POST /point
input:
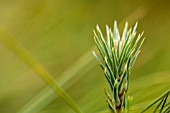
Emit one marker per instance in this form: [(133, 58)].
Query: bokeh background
[(58, 33)]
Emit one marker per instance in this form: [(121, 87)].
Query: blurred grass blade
[(66, 79), (30, 61)]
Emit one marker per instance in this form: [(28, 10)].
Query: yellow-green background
[(58, 33)]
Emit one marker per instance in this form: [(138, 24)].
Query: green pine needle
[(163, 104)]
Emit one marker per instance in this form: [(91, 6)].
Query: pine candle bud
[(116, 43)]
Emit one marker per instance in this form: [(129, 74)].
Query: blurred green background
[(58, 33)]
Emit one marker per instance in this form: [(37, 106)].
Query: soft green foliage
[(118, 55)]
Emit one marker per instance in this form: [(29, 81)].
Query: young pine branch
[(118, 55)]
